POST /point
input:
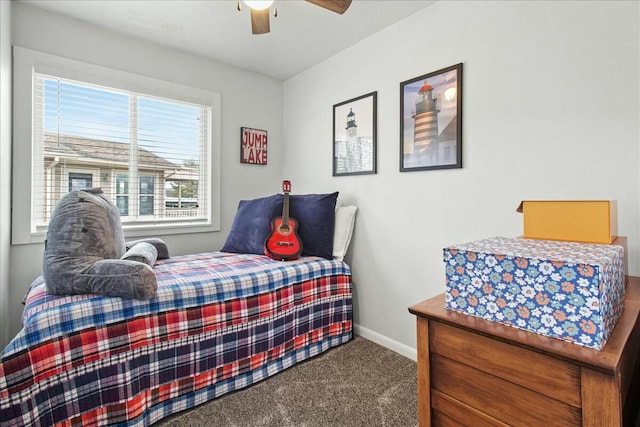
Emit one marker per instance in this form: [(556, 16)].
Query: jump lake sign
[(253, 146)]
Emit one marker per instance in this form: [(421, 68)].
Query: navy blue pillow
[(316, 216), (252, 225)]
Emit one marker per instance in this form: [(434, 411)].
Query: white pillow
[(345, 218)]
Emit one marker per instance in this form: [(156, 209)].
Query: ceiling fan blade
[(337, 6), (260, 21)]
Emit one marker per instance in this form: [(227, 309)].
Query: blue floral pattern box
[(565, 290)]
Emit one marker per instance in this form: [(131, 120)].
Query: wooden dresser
[(475, 372)]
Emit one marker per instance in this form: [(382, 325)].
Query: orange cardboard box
[(585, 221)]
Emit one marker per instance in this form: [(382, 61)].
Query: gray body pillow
[(162, 250), (142, 252), (85, 250)]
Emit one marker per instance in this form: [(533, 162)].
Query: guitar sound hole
[(285, 231)]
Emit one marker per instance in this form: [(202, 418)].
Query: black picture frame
[(431, 121), (354, 135)]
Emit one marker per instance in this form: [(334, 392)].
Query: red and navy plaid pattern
[(219, 322)]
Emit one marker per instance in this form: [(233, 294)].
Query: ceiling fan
[(260, 11)]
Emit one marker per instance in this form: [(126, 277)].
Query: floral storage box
[(571, 291)]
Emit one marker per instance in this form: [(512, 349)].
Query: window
[(122, 194), (79, 181), (146, 194), (147, 190), (130, 135), (84, 125)]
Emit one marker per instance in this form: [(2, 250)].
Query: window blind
[(148, 154)]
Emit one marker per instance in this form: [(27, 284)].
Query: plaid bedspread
[(219, 322)]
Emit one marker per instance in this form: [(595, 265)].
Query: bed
[(219, 322)]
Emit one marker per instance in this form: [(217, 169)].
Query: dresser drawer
[(449, 412), (551, 377), (499, 398)]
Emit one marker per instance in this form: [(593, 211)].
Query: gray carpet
[(357, 384)]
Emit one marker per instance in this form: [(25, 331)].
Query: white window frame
[(114, 192), (26, 62), (95, 176)]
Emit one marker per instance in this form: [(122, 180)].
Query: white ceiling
[(301, 35)]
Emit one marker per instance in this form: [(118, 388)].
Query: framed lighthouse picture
[(431, 121), (354, 136)]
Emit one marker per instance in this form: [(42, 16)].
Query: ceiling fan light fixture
[(258, 4), (260, 11)]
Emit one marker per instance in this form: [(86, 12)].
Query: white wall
[(248, 99), (5, 165), (550, 111)]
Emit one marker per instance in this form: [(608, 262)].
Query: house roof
[(99, 151)]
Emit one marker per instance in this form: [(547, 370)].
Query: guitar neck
[(286, 188), (285, 210)]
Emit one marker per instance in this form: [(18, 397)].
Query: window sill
[(156, 229), (138, 230)]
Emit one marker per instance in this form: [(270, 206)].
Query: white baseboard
[(399, 348)]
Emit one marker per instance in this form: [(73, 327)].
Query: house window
[(80, 181), (122, 194), (146, 194)]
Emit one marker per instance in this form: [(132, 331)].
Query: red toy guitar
[(283, 243)]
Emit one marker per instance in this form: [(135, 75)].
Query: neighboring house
[(73, 163)]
